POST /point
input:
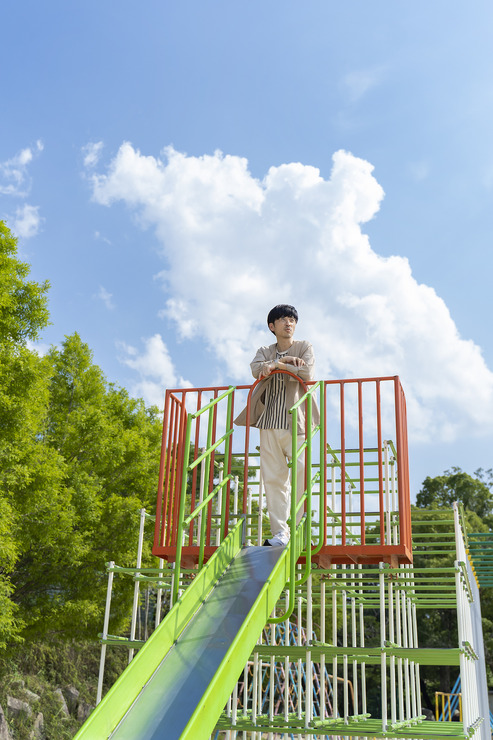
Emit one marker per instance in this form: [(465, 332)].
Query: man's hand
[(267, 369), (296, 361)]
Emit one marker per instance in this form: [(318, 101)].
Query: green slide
[(179, 682)]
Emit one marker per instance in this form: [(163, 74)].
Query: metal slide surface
[(167, 701)]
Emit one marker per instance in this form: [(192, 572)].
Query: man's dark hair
[(280, 311)]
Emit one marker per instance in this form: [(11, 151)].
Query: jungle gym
[(318, 639)]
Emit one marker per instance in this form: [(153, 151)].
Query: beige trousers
[(275, 452)]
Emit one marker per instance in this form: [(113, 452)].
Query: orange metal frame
[(171, 472)]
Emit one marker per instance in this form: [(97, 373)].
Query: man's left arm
[(303, 365)]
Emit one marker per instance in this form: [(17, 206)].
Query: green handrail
[(187, 468), (306, 524)]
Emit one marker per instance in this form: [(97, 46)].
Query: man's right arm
[(261, 366)]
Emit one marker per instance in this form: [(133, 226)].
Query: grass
[(42, 668)]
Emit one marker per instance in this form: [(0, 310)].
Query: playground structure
[(318, 639)]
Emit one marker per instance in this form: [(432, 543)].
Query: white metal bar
[(334, 501), (393, 702), (383, 661), (135, 604), (417, 669), (234, 708), (219, 505), (388, 531), (105, 632), (322, 659), (411, 645), (201, 493), (335, 668), (287, 642), (254, 688), (300, 662), (354, 643), (394, 502), (308, 664), (159, 594), (236, 486), (406, 660), (362, 644), (249, 518), (345, 644), (398, 639), (246, 674), (272, 685)]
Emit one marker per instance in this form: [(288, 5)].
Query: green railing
[(306, 498), (199, 513), (206, 456)]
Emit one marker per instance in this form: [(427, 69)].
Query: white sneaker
[(281, 539)]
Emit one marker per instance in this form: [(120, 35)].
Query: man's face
[(283, 327)]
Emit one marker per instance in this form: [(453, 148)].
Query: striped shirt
[(275, 414)]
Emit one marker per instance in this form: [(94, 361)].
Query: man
[(271, 401)]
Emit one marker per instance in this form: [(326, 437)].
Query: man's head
[(280, 312)]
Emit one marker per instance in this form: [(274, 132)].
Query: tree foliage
[(23, 302), (98, 467), (23, 314), (78, 459), (455, 485), (438, 627)]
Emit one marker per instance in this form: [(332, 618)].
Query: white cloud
[(106, 297), (155, 369), (41, 348), (27, 221), (14, 177), (234, 246), (359, 82), (92, 153), (99, 237), (15, 181)]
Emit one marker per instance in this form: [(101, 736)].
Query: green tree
[(23, 388), (438, 627), (455, 485), (78, 459), (103, 453), (23, 302)]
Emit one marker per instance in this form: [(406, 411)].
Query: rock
[(83, 711), (58, 694), (38, 731), (72, 698), (4, 728), (16, 707), (30, 696)]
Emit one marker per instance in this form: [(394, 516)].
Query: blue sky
[(175, 169)]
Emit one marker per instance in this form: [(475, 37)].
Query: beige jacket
[(294, 389)]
